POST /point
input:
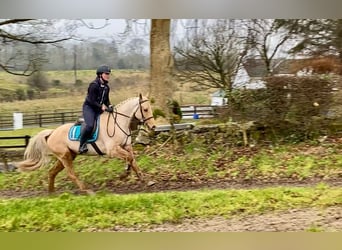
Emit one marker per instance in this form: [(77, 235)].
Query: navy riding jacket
[(98, 94)]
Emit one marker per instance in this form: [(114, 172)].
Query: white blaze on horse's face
[(145, 113)]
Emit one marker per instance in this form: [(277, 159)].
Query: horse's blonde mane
[(124, 101)]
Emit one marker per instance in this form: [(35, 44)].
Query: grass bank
[(106, 211)]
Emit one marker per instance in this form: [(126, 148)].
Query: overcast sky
[(115, 26)]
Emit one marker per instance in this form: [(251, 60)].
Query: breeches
[(89, 118)]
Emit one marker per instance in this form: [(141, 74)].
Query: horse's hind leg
[(58, 167), (67, 163)]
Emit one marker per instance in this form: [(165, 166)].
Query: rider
[(96, 101)]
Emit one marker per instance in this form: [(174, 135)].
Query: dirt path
[(294, 220)]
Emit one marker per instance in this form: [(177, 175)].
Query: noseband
[(143, 119)]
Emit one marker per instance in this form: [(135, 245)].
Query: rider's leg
[(89, 118)]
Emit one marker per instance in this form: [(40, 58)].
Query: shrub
[(39, 81), (56, 83), (78, 83), (30, 94), (293, 107), (21, 95)]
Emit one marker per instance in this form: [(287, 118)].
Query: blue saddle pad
[(75, 133)]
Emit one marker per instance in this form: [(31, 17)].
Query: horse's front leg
[(136, 169), (127, 172), (127, 155), (133, 164)]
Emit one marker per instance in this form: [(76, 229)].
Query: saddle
[(75, 131)]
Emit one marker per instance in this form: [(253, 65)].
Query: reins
[(115, 122), (115, 114)]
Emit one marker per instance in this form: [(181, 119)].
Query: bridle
[(143, 119), (115, 114)]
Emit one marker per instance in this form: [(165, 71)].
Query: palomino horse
[(114, 140)]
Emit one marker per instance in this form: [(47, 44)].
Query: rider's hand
[(110, 109), (104, 107)]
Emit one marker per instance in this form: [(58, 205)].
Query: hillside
[(63, 93)]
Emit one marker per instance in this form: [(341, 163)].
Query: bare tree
[(316, 37), (212, 56), (22, 43), (268, 39)]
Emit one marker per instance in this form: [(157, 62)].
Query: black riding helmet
[(102, 69)]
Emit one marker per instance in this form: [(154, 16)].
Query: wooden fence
[(41, 119), (61, 117), (51, 118), (198, 111), (7, 154), (25, 138)]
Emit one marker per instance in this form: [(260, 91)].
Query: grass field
[(124, 84)]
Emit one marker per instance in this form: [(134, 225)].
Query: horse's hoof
[(123, 177), (150, 183), (90, 192)]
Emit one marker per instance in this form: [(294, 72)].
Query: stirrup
[(83, 148)]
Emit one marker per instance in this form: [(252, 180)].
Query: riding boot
[(83, 148), (83, 142)]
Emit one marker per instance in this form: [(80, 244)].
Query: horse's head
[(144, 113)]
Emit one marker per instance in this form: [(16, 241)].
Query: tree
[(20, 40), (136, 46), (316, 37), (38, 80), (161, 85), (268, 38), (212, 56)]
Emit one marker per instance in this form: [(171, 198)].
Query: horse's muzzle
[(152, 128)]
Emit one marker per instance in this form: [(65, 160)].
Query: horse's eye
[(145, 110)]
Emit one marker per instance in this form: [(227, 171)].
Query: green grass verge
[(105, 211)]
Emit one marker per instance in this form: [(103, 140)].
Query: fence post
[(17, 121), (27, 139), (40, 120), (195, 116)]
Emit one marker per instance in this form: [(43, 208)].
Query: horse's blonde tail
[(36, 153)]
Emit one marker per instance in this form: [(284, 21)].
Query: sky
[(114, 26), (117, 26)]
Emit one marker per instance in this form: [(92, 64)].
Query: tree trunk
[(161, 84)]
